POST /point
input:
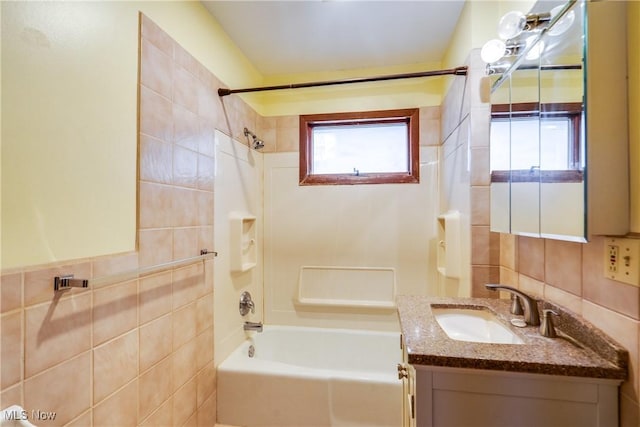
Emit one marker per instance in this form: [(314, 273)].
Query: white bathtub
[(312, 377)]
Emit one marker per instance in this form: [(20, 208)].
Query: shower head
[(257, 143)]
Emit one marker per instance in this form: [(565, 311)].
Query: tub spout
[(253, 326)]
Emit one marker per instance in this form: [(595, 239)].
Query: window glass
[(368, 148)]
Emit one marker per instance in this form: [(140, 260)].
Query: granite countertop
[(587, 353)]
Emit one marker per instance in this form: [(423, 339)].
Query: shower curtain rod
[(458, 71)]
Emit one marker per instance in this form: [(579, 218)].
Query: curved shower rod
[(457, 71)]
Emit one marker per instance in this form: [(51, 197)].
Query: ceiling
[(283, 37)]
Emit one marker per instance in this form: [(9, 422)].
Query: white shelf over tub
[(340, 286)]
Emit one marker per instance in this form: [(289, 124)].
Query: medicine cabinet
[(558, 143)]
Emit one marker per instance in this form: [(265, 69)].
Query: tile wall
[(137, 352), (465, 179)]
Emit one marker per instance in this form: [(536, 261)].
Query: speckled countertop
[(592, 354)]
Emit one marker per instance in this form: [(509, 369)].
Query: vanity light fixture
[(513, 24), (495, 49)]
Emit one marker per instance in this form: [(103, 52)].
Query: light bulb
[(493, 50), (511, 25), (564, 23)]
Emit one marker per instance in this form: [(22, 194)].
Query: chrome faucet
[(253, 326), (246, 304), (531, 315)]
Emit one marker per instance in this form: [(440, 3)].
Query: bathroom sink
[(473, 324)]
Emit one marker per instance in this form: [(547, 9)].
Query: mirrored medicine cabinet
[(558, 133)]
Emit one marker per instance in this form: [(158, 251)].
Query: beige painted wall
[(69, 112)]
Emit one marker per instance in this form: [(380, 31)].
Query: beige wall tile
[(205, 348), (154, 388), (155, 205), (563, 265), (508, 250), (162, 417), (38, 284), (184, 325), (622, 329), (188, 284), (480, 245), (83, 420), (56, 332), (184, 402), (185, 60), (65, 389), (185, 242), (184, 201), (531, 286), (152, 32), (185, 167), (10, 292), (531, 257), (114, 364), (155, 115), (185, 363), (186, 128), (509, 277), (155, 160), (155, 293), (205, 208), (185, 89), (480, 203), (156, 341), (206, 381), (205, 238), (11, 396), (206, 142), (207, 412), (155, 246), (109, 265), (11, 349), (115, 311), (204, 310), (206, 172), (121, 409), (156, 69), (563, 298), (480, 174)]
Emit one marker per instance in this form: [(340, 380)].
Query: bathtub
[(316, 377)]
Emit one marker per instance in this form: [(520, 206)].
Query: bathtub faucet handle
[(246, 304)]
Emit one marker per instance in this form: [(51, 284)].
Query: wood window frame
[(409, 116), (569, 110)]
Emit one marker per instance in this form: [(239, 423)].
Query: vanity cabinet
[(478, 398), (558, 144)]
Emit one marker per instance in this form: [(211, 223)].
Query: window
[(372, 147), (544, 138)]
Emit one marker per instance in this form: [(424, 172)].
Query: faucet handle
[(246, 304), (546, 327), (516, 305)]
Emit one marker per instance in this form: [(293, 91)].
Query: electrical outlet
[(622, 260)]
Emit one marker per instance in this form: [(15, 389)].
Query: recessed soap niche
[(243, 240)]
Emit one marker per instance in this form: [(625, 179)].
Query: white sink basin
[(476, 325)]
